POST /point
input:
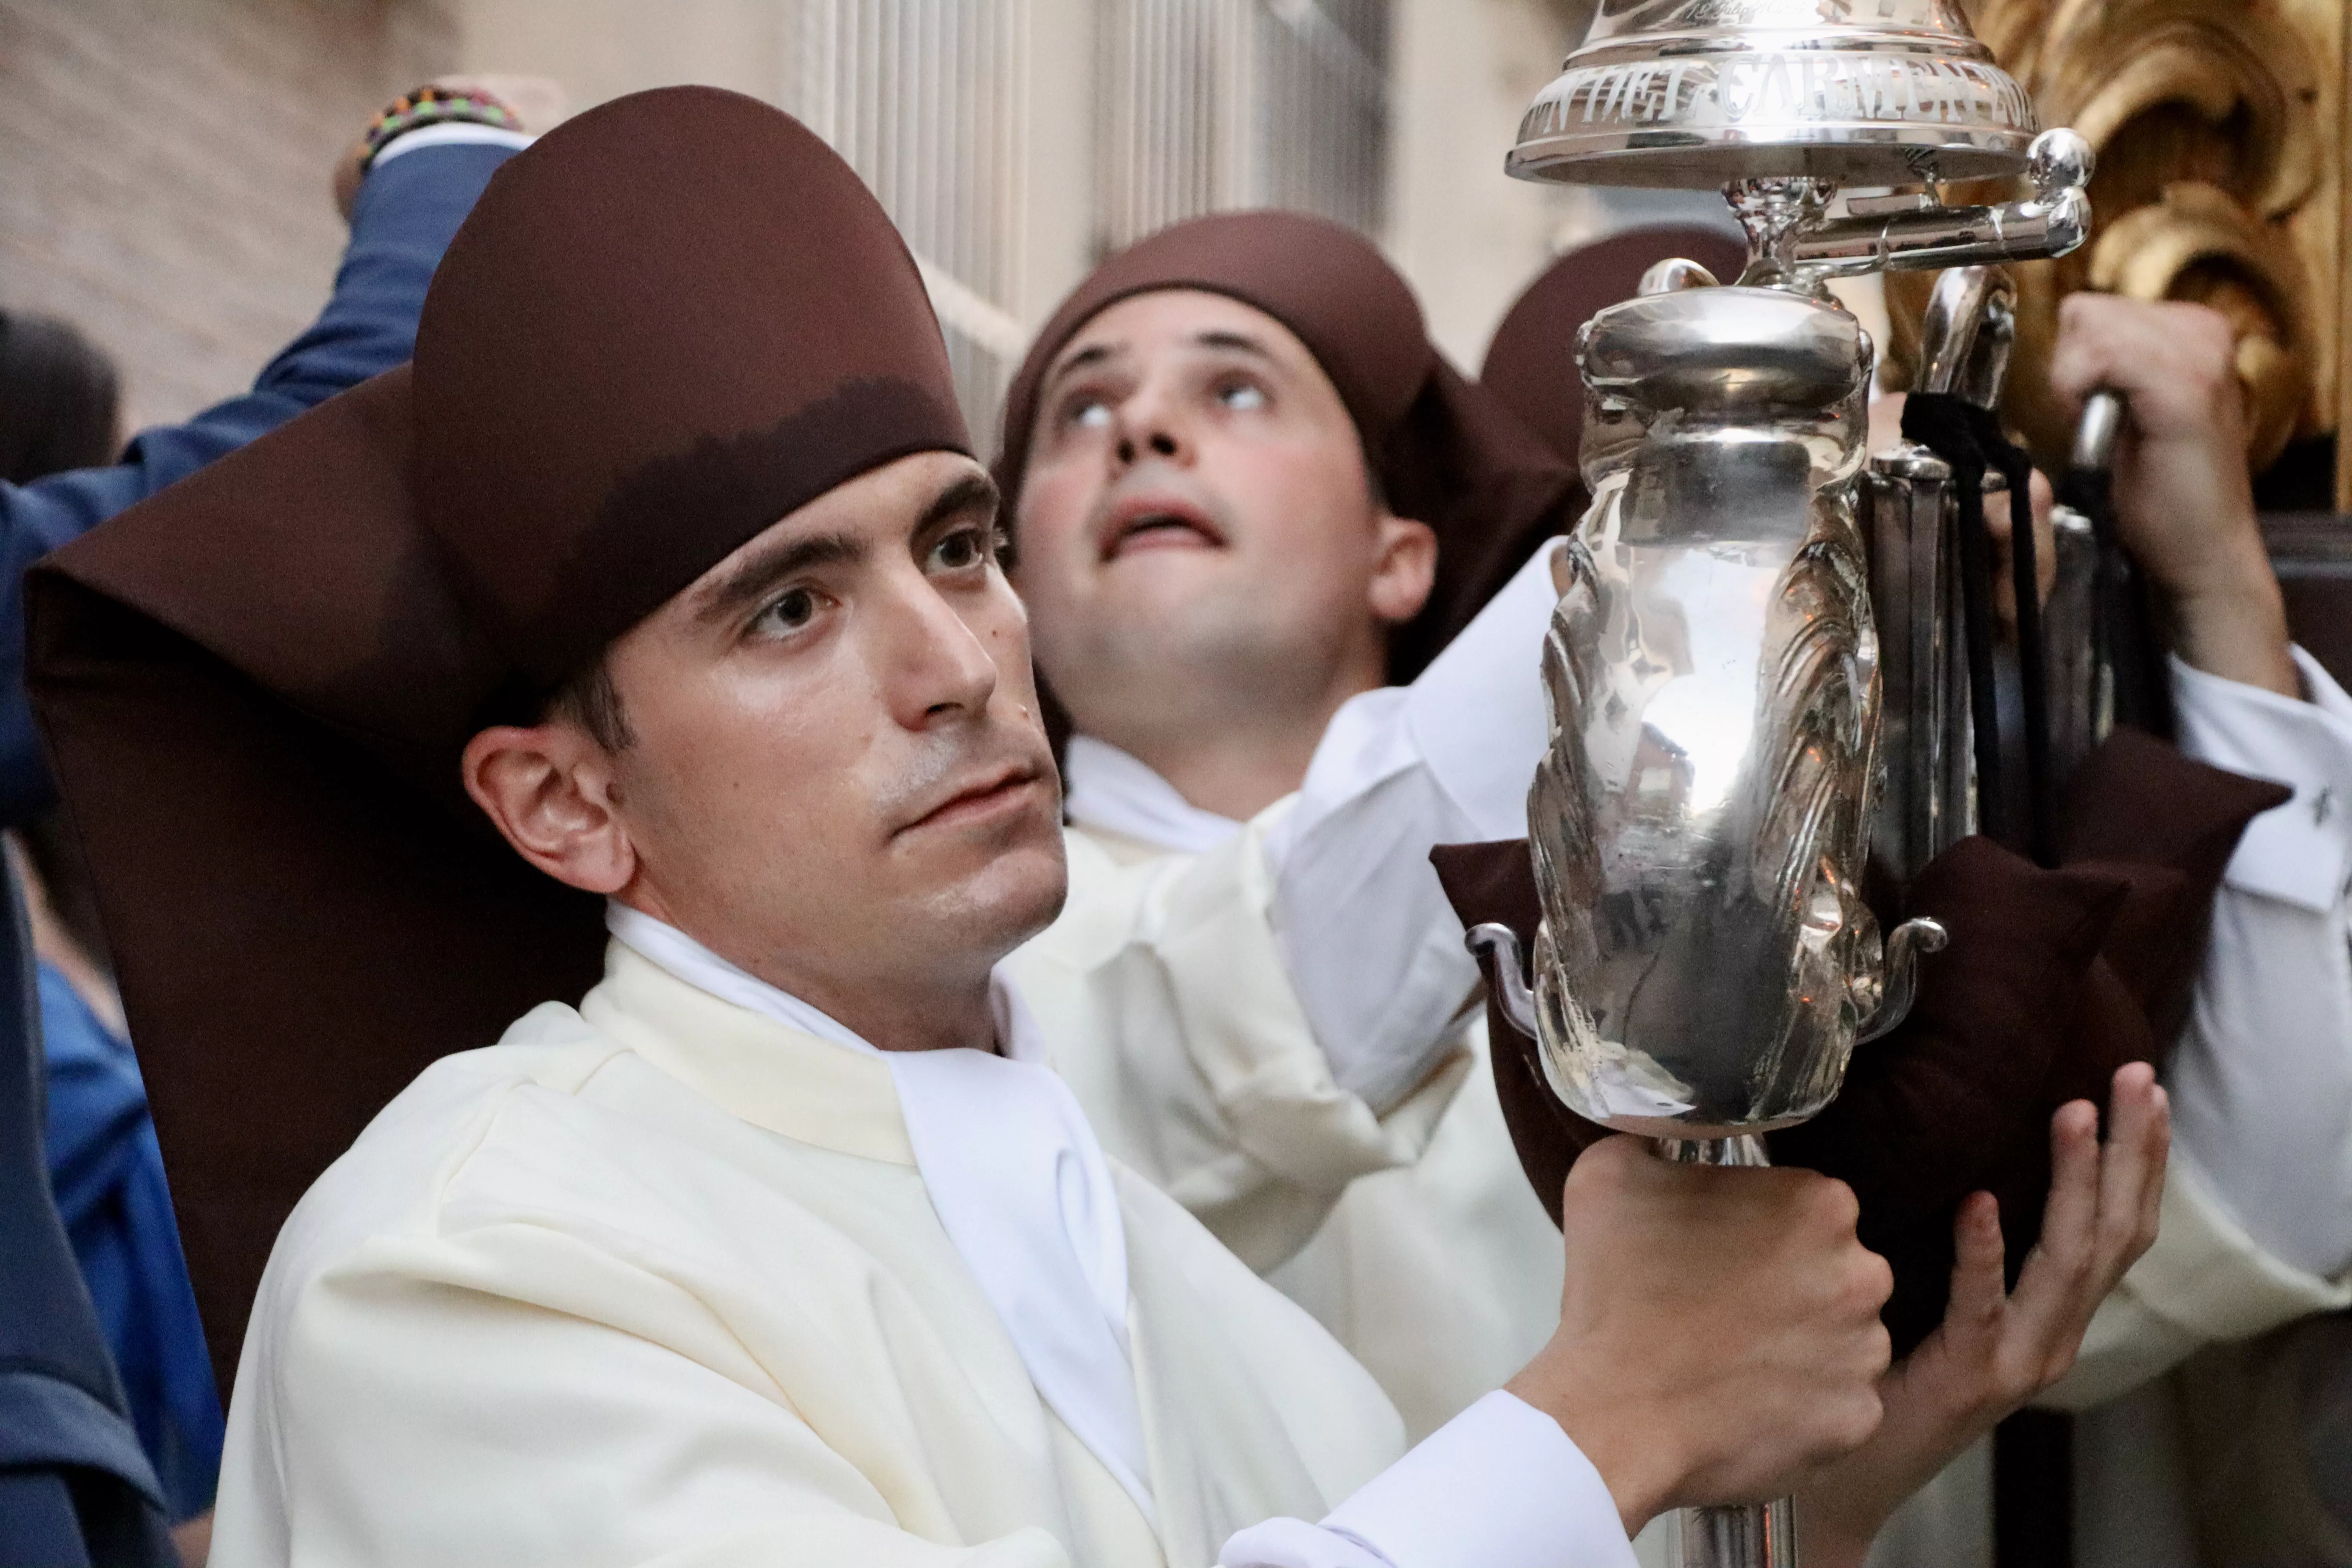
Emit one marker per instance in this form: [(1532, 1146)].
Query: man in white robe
[(2257, 1226), (781, 1245)]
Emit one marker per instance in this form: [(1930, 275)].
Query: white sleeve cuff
[(1477, 712), (2300, 852), (456, 133), (1499, 1486)]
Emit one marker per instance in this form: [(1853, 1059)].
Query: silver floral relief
[(1700, 820)]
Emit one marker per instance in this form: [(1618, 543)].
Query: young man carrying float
[(1247, 494), (781, 1246)]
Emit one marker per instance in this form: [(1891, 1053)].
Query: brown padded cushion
[(2045, 990), (2136, 801), (2319, 617)]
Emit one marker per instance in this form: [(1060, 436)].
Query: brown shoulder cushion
[(2049, 985)]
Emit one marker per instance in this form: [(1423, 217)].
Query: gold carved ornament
[(2218, 126)]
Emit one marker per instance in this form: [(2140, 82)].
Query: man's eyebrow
[(1093, 354), (969, 492), (759, 573), (1240, 343), (1214, 338)]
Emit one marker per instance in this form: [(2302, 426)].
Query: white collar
[(1106, 788), (1018, 1182)]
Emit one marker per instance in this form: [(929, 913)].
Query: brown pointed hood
[(1530, 363), (674, 320)]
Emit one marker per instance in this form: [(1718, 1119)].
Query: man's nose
[(1149, 424), (936, 667)]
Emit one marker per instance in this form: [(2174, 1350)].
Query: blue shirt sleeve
[(404, 217), (106, 1173)]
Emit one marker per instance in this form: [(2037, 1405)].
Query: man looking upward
[(1218, 565), (781, 1246)]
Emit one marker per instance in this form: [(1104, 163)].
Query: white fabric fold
[(1115, 792), (1372, 942), (1018, 1182)]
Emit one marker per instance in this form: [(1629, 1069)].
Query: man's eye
[(962, 550), (1241, 395), (1090, 414), (791, 609)]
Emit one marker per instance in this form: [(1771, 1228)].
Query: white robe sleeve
[(2262, 1082), (1373, 949), (1500, 1486), (2257, 1225)]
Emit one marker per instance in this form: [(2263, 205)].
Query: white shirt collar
[(1104, 787), (1016, 1177)]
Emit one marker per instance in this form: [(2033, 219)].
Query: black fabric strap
[(2032, 650), (1969, 440), (2123, 622)]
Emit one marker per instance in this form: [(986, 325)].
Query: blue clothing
[(405, 216), (107, 1175), (74, 1484)]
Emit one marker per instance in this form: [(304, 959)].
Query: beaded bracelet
[(431, 106)]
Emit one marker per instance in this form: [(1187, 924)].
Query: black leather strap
[(1970, 439)]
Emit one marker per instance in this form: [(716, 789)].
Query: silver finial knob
[(2058, 161), (1675, 272)]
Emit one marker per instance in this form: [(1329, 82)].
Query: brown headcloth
[(1530, 362), (674, 320), (1446, 454)]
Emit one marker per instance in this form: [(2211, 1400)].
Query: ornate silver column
[(1706, 962)]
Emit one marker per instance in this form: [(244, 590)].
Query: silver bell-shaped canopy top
[(1692, 94)]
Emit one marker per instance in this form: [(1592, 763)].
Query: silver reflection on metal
[(1692, 92), (2081, 664), (1699, 821), (1758, 1532)]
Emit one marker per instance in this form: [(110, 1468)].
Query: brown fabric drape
[(2052, 980), (674, 320)]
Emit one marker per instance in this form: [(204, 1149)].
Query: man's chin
[(1013, 857), (1003, 903), (1153, 609)]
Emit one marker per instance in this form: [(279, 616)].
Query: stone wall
[(164, 166)]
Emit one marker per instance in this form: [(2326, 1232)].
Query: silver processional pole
[(1706, 963)]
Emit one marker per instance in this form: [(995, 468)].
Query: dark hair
[(589, 698), (59, 395), (59, 399)]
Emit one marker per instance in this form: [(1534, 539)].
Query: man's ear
[(549, 788), (1406, 568)]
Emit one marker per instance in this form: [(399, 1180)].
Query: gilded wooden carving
[(2219, 126)]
